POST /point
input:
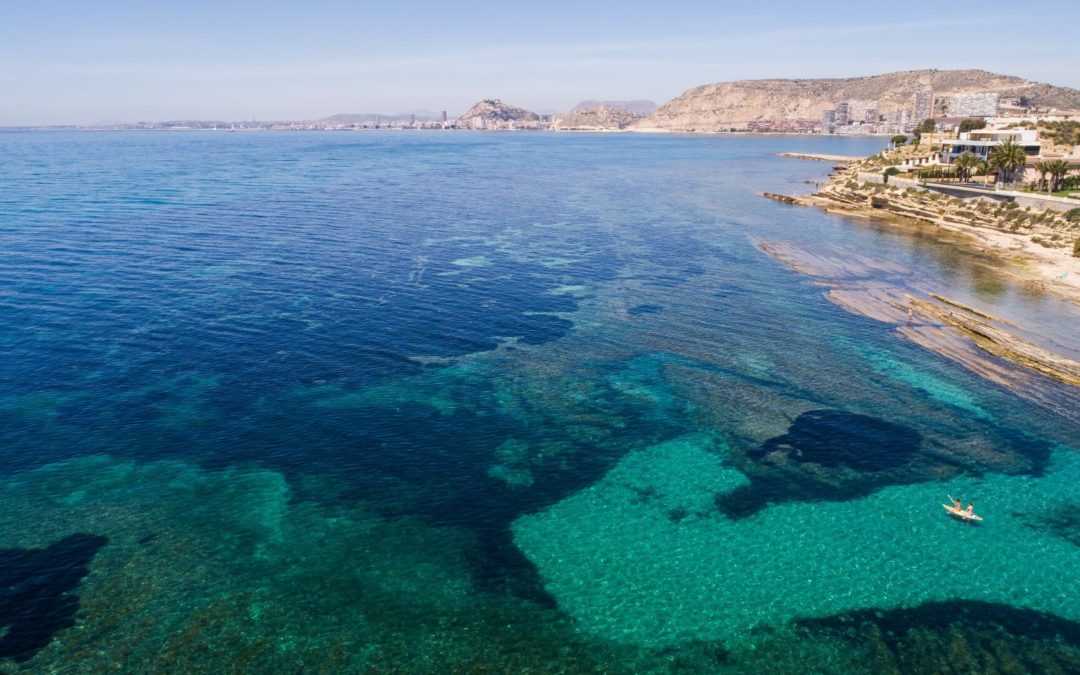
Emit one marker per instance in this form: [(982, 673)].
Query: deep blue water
[(296, 389)]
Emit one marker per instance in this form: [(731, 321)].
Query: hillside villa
[(982, 141)]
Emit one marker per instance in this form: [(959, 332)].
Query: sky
[(82, 62)]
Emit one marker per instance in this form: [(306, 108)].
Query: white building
[(828, 121), (974, 105), (983, 141), (924, 104), (842, 114)]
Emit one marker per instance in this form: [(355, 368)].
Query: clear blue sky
[(85, 62)]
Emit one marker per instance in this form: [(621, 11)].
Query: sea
[(466, 402)]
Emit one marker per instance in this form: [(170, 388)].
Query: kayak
[(961, 513)]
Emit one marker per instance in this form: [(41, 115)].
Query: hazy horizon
[(67, 63)]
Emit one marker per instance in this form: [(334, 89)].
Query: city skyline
[(66, 63)]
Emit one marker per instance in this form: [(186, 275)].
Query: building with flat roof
[(828, 121), (924, 104), (983, 141), (842, 112), (974, 105)]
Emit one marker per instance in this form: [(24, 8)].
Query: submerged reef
[(617, 560), (956, 636), (36, 592), (220, 571)]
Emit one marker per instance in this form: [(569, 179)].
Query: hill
[(637, 106), (595, 118), (733, 105), (492, 111)]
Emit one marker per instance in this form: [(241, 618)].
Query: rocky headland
[(732, 106), (493, 110)]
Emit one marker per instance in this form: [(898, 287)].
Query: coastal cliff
[(732, 106)]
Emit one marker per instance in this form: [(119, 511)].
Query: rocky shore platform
[(819, 157), (1036, 246), (1033, 247)]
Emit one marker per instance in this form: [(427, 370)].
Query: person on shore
[(910, 315)]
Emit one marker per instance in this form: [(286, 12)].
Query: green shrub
[(1076, 248), (1073, 215), (972, 125)]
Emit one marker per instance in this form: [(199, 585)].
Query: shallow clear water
[(435, 402)]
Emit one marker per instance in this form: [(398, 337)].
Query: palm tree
[(965, 164), (1007, 159), (1042, 168), (982, 168), (1057, 169)]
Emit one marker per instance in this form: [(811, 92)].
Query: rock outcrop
[(599, 118), (493, 111), (638, 106), (732, 106)]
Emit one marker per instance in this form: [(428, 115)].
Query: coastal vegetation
[(927, 126), (1065, 132), (972, 124), (1057, 136), (968, 164), (1007, 159), (1056, 169)]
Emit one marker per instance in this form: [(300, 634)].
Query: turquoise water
[(444, 402)]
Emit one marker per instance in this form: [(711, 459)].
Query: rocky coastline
[(1034, 247)]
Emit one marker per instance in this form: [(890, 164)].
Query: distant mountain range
[(728, 106), (421, 115), (732, 105)]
